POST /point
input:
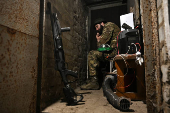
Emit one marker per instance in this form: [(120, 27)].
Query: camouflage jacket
[(109, 35)]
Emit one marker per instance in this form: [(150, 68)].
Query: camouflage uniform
[(108, 36)]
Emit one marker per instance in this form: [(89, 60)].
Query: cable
[(117, 42), (128, 84), (130, 46), (128, 50), (125, 73), (140, 82), (139, 46), (125, 63), (135, 47)]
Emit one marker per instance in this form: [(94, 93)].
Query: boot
[(91, 85)]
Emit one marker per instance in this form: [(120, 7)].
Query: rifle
[(71, 96)]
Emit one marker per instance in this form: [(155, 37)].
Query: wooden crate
[(131, 85)]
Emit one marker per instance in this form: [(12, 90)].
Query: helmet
[(98, 21)]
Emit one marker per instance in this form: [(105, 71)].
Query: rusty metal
[(151, 55), (156, 59), (18, 71), (19, 31), (20, 15)]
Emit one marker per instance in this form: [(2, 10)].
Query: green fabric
[(103, 49)]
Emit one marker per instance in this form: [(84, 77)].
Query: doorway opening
[(110, 13)]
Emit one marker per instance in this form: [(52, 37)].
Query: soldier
[(106, 34)]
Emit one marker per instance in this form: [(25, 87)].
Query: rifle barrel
[(65, 29)]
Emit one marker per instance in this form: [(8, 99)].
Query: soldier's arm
[(107, 33), (113, 43), (98, 37), (111, 30)]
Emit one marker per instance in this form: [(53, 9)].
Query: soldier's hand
[(98, 37)]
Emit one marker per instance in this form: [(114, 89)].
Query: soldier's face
[(99, 28)]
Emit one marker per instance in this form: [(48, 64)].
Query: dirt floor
[(93, 102)]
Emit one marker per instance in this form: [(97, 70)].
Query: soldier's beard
[(100, 30)]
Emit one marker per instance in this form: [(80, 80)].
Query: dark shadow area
[(39, 68), (130, 80), (130, 110), (64, 100), (85, 93), (103, 68), (77, 104)]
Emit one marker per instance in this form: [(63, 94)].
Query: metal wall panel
[(21, 15), (18, 71), (19, 32)]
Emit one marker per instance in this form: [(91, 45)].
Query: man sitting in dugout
[(106, 34)]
